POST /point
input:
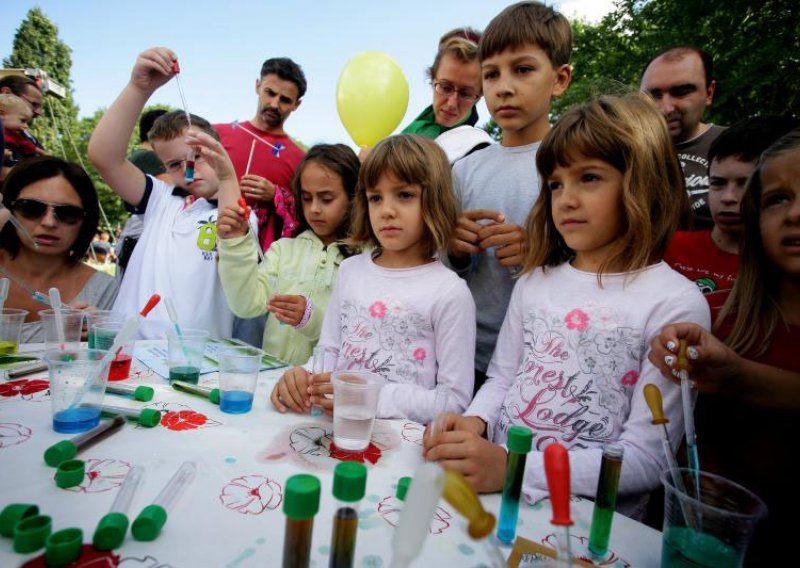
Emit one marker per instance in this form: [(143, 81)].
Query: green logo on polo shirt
[(207, 235)]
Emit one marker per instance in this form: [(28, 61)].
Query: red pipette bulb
[(175, 67), (151, 303), (556, 468)]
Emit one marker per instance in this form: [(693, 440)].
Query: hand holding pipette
[(688, 416), (153, 68), (556, 467)]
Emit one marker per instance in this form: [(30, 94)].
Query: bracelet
[(307, 314)]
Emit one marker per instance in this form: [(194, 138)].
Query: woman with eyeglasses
[(456, 80), (56, 202)]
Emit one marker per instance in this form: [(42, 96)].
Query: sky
[(222, 44)]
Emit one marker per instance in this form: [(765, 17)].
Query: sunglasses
[(33, 209)]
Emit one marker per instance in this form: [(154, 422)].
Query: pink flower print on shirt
[(630, 378), (377, 310), (419, 354), (577, 319)]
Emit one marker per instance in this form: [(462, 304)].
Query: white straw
[(250, 158), (55, 303), (237, 124)]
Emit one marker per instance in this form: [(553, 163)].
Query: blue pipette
[(688, 417), (35, 294)]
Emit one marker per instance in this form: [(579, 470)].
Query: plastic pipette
[(20, 228), (556, 468), (68, 449), (463, 498), (148, 524), (250, 157), (173, 317), (151, 303), (439, 408), (4, 284), (652, 395), (688, 417), (176, 68), (276, 148), (110, 531), (55, 302), (419, 506), (323, 359), (205, 392), (35, 294)]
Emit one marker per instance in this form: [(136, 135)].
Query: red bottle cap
[(151, 303), (556, 468)]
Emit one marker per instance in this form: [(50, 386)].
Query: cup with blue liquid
[(77, 386), (238, 375)]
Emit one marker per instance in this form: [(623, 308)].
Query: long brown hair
[(754, 301), (628, 133)]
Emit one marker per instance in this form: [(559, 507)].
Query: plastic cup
[(185, 354), (722, 522), (76, 388), (104, 334), (94, 317), (238, 375), (11, 321), (355, 396), (71, 328)]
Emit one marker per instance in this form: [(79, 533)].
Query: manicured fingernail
[(692, 352), (669, 360), (672, 346), (676, 374)]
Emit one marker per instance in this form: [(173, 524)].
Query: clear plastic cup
[(69, 338), (93, 317), (355, 400), (76, 388), (720, 524), (104, 333), (238, 375), (185, 354), (11, 321)]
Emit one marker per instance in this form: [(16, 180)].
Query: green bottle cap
[(349, 481), (301, 497), (70, 473), (149, 417), (60, 452), (14, 513), (147, 526), (110, 531), (30, 533), (63, 547), (520, 439), (402, 488), (145, 394), (213, 396)]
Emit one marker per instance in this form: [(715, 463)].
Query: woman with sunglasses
[(57, 203), (456, 80)]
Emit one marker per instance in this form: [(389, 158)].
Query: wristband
[(306, 314)]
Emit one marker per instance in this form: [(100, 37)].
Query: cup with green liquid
[(94, 317), (721, 522), (185, 354), (11, 321)]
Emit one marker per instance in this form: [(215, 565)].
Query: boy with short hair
[(711, 258), (176, 254), (524, 54)]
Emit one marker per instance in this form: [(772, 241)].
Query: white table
[(231, 515)]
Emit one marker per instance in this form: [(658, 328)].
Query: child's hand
[(257, 188), (466, 239), (507, 238), (212, 152), (292, 391), (153, 68), (481, 462), (232, 222), (452, 422), (321, 391), (288, 309)]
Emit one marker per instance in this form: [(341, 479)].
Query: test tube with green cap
[(402, 488), (147, 417), (349, 486), (68, 449), (300, 505), (606, 499), (519, 443), (205, 392), (147, 526), (141, 393), (110, 531)]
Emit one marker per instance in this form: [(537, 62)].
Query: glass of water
[(355, 401)]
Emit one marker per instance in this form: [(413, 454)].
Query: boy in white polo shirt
[(176, 254)]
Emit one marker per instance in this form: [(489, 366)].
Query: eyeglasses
[(446, 90), (33, 210), (178, 165), (35, 106)]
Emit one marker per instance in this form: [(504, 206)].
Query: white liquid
[(352, 427)]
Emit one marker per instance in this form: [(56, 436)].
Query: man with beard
[(266, 185), (681, 83)]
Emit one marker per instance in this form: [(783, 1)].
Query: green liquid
[(686, 548), (604, 504), (8, 347), (185, 374)]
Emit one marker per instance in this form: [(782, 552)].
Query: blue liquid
[(74, 420), (512, 489), (235, 402)]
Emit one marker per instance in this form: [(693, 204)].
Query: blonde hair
[(754, 301), (461, 43), (628, 133), (12, 103), (412, 159)]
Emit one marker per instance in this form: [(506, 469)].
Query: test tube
[(141, 392), (300, 504), (439, 407), (205, 392), (148, 524), (419, 506), (605, 501), (147, 417), (520, 440), (110, 531), (188, 172), (321, 361), (349, 486), (67, 449)]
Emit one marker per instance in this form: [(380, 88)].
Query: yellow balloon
[(371, 97)]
